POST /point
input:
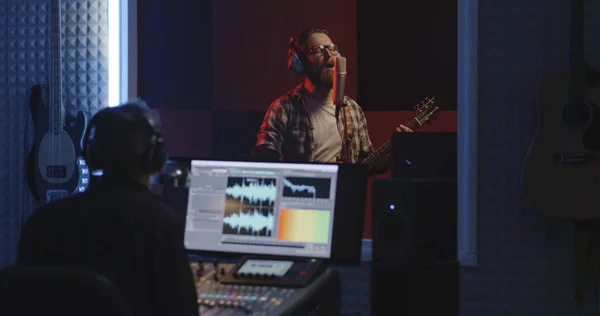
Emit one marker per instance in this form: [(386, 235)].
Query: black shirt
[(123, 232)]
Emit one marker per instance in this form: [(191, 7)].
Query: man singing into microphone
[(304, 125)]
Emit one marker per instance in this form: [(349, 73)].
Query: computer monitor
[(278, 209)]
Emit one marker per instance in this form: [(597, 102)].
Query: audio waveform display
[(303, 187), (251, 191), (249, 222), (309, 226)]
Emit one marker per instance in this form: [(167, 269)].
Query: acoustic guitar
[(561, 172), (55, 168)]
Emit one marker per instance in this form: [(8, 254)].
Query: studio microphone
[(339, 83)]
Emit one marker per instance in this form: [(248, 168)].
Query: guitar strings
[(375, 157)]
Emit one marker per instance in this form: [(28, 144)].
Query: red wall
[(250, 41)]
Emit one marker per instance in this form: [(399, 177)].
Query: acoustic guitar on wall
[(55, 168), (561, 173)]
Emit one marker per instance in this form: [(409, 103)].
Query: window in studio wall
[(121, 50)]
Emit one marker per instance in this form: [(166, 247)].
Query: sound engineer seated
[(119, 228)]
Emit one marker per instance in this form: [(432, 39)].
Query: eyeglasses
[(319, 50)]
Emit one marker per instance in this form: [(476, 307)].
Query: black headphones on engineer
[(155, 156)]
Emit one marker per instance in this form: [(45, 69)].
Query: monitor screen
[(279, 209), (266, 208)]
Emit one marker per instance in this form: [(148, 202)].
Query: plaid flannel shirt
[(287, 129)]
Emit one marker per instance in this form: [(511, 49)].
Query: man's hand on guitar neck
[(385, 163), (400, 128), (403, 128)]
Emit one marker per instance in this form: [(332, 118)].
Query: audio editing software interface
[(261, 208)]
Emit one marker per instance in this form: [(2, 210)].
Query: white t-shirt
[(327, 138)]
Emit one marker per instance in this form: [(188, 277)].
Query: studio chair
[(34, 291)]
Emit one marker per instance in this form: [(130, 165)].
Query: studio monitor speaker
[(414, 220), (414, 270), (421, 289)]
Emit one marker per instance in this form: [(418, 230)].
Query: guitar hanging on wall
[(561, 173), (55, 168)]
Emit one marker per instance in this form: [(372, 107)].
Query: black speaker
[(416, 290), (414, 221), (414, 269)]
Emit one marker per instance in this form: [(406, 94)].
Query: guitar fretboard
[(55, 70)]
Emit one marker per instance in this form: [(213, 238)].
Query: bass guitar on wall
[(55, 168), (561, 173)]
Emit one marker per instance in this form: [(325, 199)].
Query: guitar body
[(561, 173), (55, 166)]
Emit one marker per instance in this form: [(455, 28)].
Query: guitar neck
[(55, 97), (577, 68), (382, 153)]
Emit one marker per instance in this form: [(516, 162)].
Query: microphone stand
[(342, 106), (339, 85)]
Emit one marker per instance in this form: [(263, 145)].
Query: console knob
[(205, 303), (222, 271), (200, 271), (216, 277)]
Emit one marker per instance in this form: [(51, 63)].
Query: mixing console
[(216, 299)]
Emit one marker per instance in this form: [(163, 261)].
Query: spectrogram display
[(303, 187), (309, 226)]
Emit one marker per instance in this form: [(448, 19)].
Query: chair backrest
[(29, 291)]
